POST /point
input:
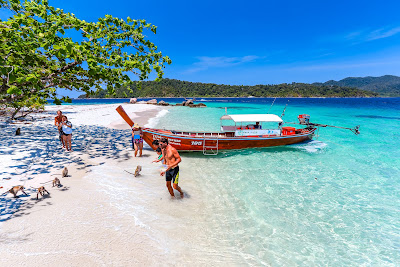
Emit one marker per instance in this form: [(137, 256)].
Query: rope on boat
[(283, 112), (271, 105), (354, 129)]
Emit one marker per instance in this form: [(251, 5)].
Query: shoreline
[(34, 230), (103, 215), (40, 135), (241, 97), (255, 207)]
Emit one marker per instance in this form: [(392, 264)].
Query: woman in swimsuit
[(137, 136), (67, 132)]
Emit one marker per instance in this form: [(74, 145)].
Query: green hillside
[(387, 85), (177, 88)]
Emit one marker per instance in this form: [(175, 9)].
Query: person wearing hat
[(137, 139)]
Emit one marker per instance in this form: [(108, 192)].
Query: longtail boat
[(247, 132), (243, 134)]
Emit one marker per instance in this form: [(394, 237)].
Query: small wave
[(153, 121), (312, 146)]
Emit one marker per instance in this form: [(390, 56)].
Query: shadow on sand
[(37, 151)]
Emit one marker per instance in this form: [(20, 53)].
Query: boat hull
[(202, 143)]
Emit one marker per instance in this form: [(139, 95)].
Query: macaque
[(56, 182), (138, 170), (64, 172), (41, 190), (16, 189)]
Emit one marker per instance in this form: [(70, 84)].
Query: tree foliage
[(26, 106), (176, 88), (38, 54)]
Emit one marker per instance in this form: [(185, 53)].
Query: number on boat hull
[(197, 143)]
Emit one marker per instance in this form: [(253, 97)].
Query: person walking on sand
[(57, 122), (67, 132), (172, 172), (137, 139)]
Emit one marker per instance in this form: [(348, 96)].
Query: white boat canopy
[(253, 118)]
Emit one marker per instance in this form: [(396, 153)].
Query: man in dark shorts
[(172, 158), (57, 122)]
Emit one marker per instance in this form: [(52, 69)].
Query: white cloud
[(205, 63), (382, 33), (361, 35), (368, 35), (347, 65)]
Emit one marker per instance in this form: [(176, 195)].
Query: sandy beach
[(77, 223), (102, 215), (260, 207)]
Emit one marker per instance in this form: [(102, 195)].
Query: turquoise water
[(333, 201)]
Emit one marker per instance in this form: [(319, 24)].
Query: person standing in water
[(172, 158)]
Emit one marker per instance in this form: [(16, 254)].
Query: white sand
[(68, 227), (102, 216), (33, 157)]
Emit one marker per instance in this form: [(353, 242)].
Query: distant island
[(384, 86)]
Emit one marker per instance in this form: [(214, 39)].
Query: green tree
[(37, 55), (24, 107), (175, 88)]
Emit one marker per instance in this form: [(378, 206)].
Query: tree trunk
[(15, 113), (27, 113)]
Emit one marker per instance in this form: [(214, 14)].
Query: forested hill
[(177, 88), (387, 85)]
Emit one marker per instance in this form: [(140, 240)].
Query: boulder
[(189, 102), (133, 100), (153, 101), (200, 105), (178, 104), (163, 103)]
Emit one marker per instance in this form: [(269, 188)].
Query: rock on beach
[(186, 103), (153, 101)]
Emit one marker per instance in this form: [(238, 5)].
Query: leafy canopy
[(37, 54)]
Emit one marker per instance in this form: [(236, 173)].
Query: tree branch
[(61, 70)]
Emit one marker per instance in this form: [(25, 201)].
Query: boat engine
[(304, 119)]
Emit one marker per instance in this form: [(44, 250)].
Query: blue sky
[(264, 42)]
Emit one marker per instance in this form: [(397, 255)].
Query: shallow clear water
[(332, 201)]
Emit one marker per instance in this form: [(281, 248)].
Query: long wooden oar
[(125, 116)]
